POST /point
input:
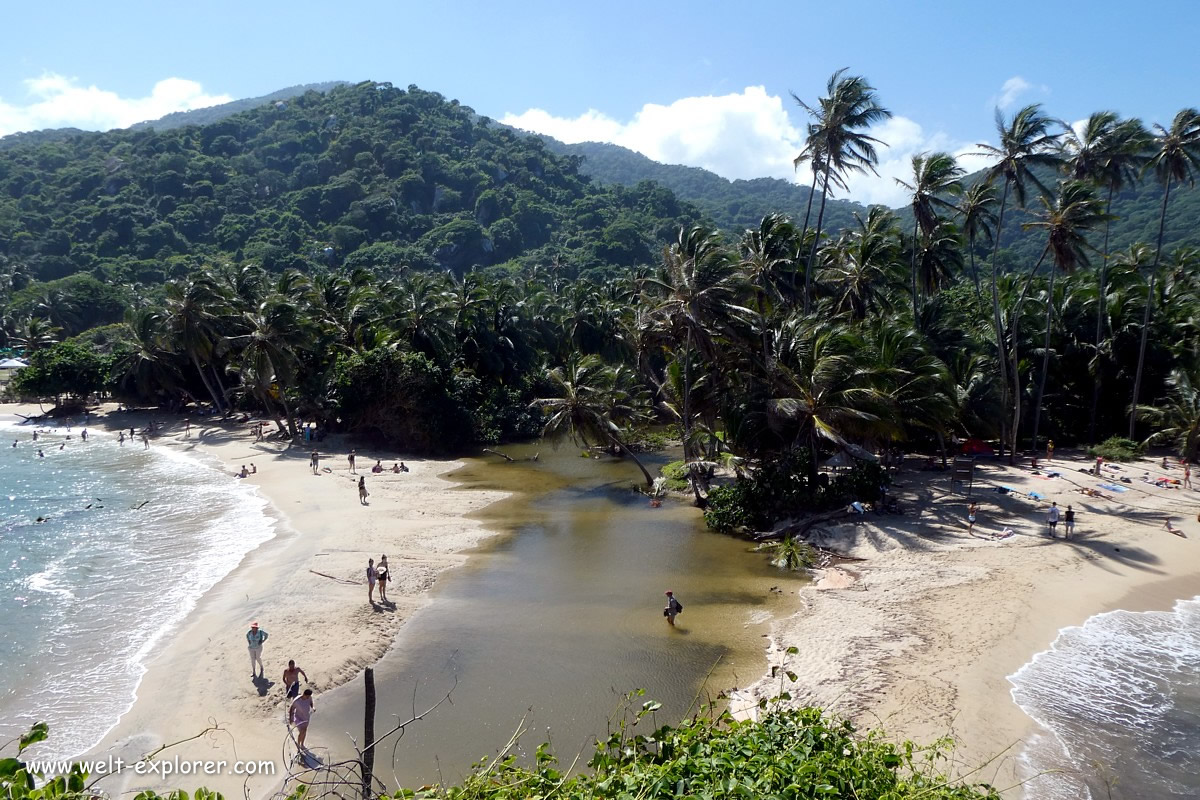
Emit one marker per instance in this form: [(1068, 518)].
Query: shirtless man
[(300, 713), (291, 678)]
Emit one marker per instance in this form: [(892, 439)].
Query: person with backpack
[(674, 607)]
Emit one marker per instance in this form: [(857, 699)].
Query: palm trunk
[(291, 421), (221, 386), (1015, 433), (804, 230), (620, 445), (1101, 309), (687, 415), (974, 271), (812, 253), (1137, 381), (913, 267), (204, 377), (1002, 362), (1037, 406)]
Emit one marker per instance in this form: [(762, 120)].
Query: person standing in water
[(255, 637), (673, 609)]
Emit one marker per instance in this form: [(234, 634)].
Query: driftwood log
[(509, 458), (798, 528)]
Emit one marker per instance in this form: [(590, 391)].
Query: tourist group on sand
[(300, 711)]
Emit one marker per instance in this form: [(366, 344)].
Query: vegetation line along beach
[(974, 419)]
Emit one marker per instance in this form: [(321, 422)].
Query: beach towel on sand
[(1114, 488)]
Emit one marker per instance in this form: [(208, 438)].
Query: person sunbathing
[(1170, 528)]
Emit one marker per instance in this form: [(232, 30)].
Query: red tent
[(977, 447)]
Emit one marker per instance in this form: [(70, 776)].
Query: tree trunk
[(687, 417), (1002, 363), (913, 267), (620, 445), (1101, 309), (1137, 381), (291, 422), (207, 385), (221, 387), (1015, 433), (804, 232), (1037, 406), (812, 253), (974, 271)]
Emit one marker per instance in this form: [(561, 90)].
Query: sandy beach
[(306, 587), (921, 636)]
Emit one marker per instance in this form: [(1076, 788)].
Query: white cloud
[(742, 135), (56, 101), (1013, 89), (747, 135)]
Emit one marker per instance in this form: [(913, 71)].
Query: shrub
[(1116, 448), (675, 476), (731, 507)]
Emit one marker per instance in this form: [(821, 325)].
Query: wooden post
[(368, 765)]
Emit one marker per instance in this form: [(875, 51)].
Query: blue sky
[(703, 83)]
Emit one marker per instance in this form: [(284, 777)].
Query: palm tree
[(1175, 159), (276, 332), (1178, 420), (837, 143), (31, 334), (581, 404), (1107, 152), (696, 290), (767, 252), (861, 264), (150, 366), (937, 256), (935, 177), (1026, 142), (978, 218), (193, 309), (1066, 220)]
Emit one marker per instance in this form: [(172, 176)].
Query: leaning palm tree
[(194, 308), (1107, 152), (276, 332), (1178, 419), (1026, 142), (580, 407), (1175, 159), (977, 208), (936, 177), (1067, 221), (148, 367), (836, 140)]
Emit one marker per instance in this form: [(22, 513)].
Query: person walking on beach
[(1187, 476), (1099, 463), (1049, 449), (382, 576), (1068, 522), (363, 494), (300, 713), (1052, 518), (254, 639), (291, 679), (314, 462), (674, 607), (371, 581), (187, 429), (350, 458), (972, 511)]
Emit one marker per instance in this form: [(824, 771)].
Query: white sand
[(201, 677), (920, 637)]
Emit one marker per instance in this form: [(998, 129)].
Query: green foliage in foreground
[(675, 476), (788, 754), (1117, 448)]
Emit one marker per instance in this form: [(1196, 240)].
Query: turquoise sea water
[(89, 594), (1118, 699)]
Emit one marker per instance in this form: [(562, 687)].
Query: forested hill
[(361, 176), (206, 116), (737, 205), (732, 205)]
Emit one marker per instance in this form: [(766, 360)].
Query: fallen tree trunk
[(507, 458), (798, 528)]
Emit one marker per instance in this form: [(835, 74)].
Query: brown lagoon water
[(558, 618)]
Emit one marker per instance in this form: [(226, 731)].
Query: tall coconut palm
[(580, 405), (837, 140), (31, 334), (1026, 142), (276, 332), (1108, 152), (1175, 159), (193, 310), (978, 210), (768, 252), (696, 289), (148, 367), (936, 178), (861, 264), (1067, 221)]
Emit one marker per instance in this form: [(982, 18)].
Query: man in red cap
[(255, 638), (673, 607)]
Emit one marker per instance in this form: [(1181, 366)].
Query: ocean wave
[(1119, 699)]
